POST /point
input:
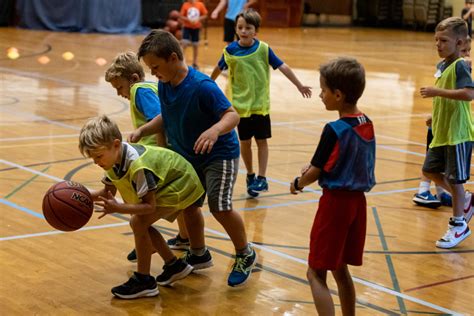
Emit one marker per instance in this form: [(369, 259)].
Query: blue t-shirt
[(148, 103), (234, 7), (236, 49), (191, 108)]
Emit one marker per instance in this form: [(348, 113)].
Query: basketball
[(172, 25), (67, 206)]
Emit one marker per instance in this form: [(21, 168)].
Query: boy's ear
[(339, 95), (117, 143), (135, 78)]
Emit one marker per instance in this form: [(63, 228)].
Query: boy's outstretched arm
[(218, 9), (229, 120), (304, 90), (110, 205), (152, 127), (309, 175), (216, 72), (465, 94)]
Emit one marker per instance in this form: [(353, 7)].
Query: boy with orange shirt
[(192, 13)]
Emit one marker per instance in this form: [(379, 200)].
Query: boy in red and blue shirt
[(344, 164)]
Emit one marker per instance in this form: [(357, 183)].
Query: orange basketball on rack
[(67, 206)]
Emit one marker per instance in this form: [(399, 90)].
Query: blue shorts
[(191, 35)]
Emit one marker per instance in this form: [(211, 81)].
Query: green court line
[(388, 258), (25, 183)]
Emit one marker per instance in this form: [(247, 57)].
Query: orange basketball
[(172, 25), (174, 15), (178, 34), (67, 206)]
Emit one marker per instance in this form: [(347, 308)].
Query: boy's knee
[(136, 223)]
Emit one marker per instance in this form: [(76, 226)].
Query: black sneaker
[(132, 256), (242, 269), (137, 286), (178, 243), (177, 271), (198, 262)]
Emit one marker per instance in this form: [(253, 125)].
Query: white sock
[(424, 186)]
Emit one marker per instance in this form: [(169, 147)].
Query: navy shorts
[(191, 35), (258, 126)]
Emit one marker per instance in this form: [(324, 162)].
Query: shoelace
[(239, 264)]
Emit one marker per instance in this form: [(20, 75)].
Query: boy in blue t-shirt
[(344, 164), (248, 61), (199, 122), (234, 7)]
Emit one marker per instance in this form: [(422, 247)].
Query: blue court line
[(388, 258), (21, 208)]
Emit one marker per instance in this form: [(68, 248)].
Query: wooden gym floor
[(45, 99)]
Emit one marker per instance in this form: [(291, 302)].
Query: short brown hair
[(98, 132), (346, 75), (125, 65), (251, 17), (162, 44), (454, 24)]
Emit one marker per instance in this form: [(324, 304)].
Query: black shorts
[(191, 35), (229, 30), (258, 126)]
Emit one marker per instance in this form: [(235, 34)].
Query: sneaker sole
[(178, 276), (250, 273), (452, 245), (430, 204), (204, 265), (145, 293)]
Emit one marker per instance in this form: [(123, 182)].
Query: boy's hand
[(305, 91), (293, 188), (107, 205), (214, 15), (206, 141), (134, 136), (429, 120), (429, 92)]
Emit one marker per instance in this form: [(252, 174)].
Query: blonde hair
[(98, 132), (125, 65), (456, 25)]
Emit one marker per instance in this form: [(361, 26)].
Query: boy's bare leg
[(194, 221), (195, 53), (246, 152), (262, 146), (147, 240), (183, 232), (234, 226), (321, 295), (457, 192), (439, 179), (346, 290)]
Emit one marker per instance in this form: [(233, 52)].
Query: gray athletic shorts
[(453, 161), (218, 179)]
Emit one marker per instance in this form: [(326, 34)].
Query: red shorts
[(338, 233)]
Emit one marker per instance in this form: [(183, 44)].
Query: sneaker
[(260, 185), (457, 232), (468, 206), (445, 199), (250, 181), (242, 269), (198, 262), (177, 271), (426, 199), (132, 256), (178, 243), (137, 286)]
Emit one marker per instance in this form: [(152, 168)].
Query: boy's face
[(447, 44), (245, 31), (164, 70), (122, 86), (107, 157), (332, 100)]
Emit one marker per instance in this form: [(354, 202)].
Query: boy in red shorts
[(344, 165)]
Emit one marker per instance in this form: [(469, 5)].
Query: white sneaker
[(457, 232), (468, 206)]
